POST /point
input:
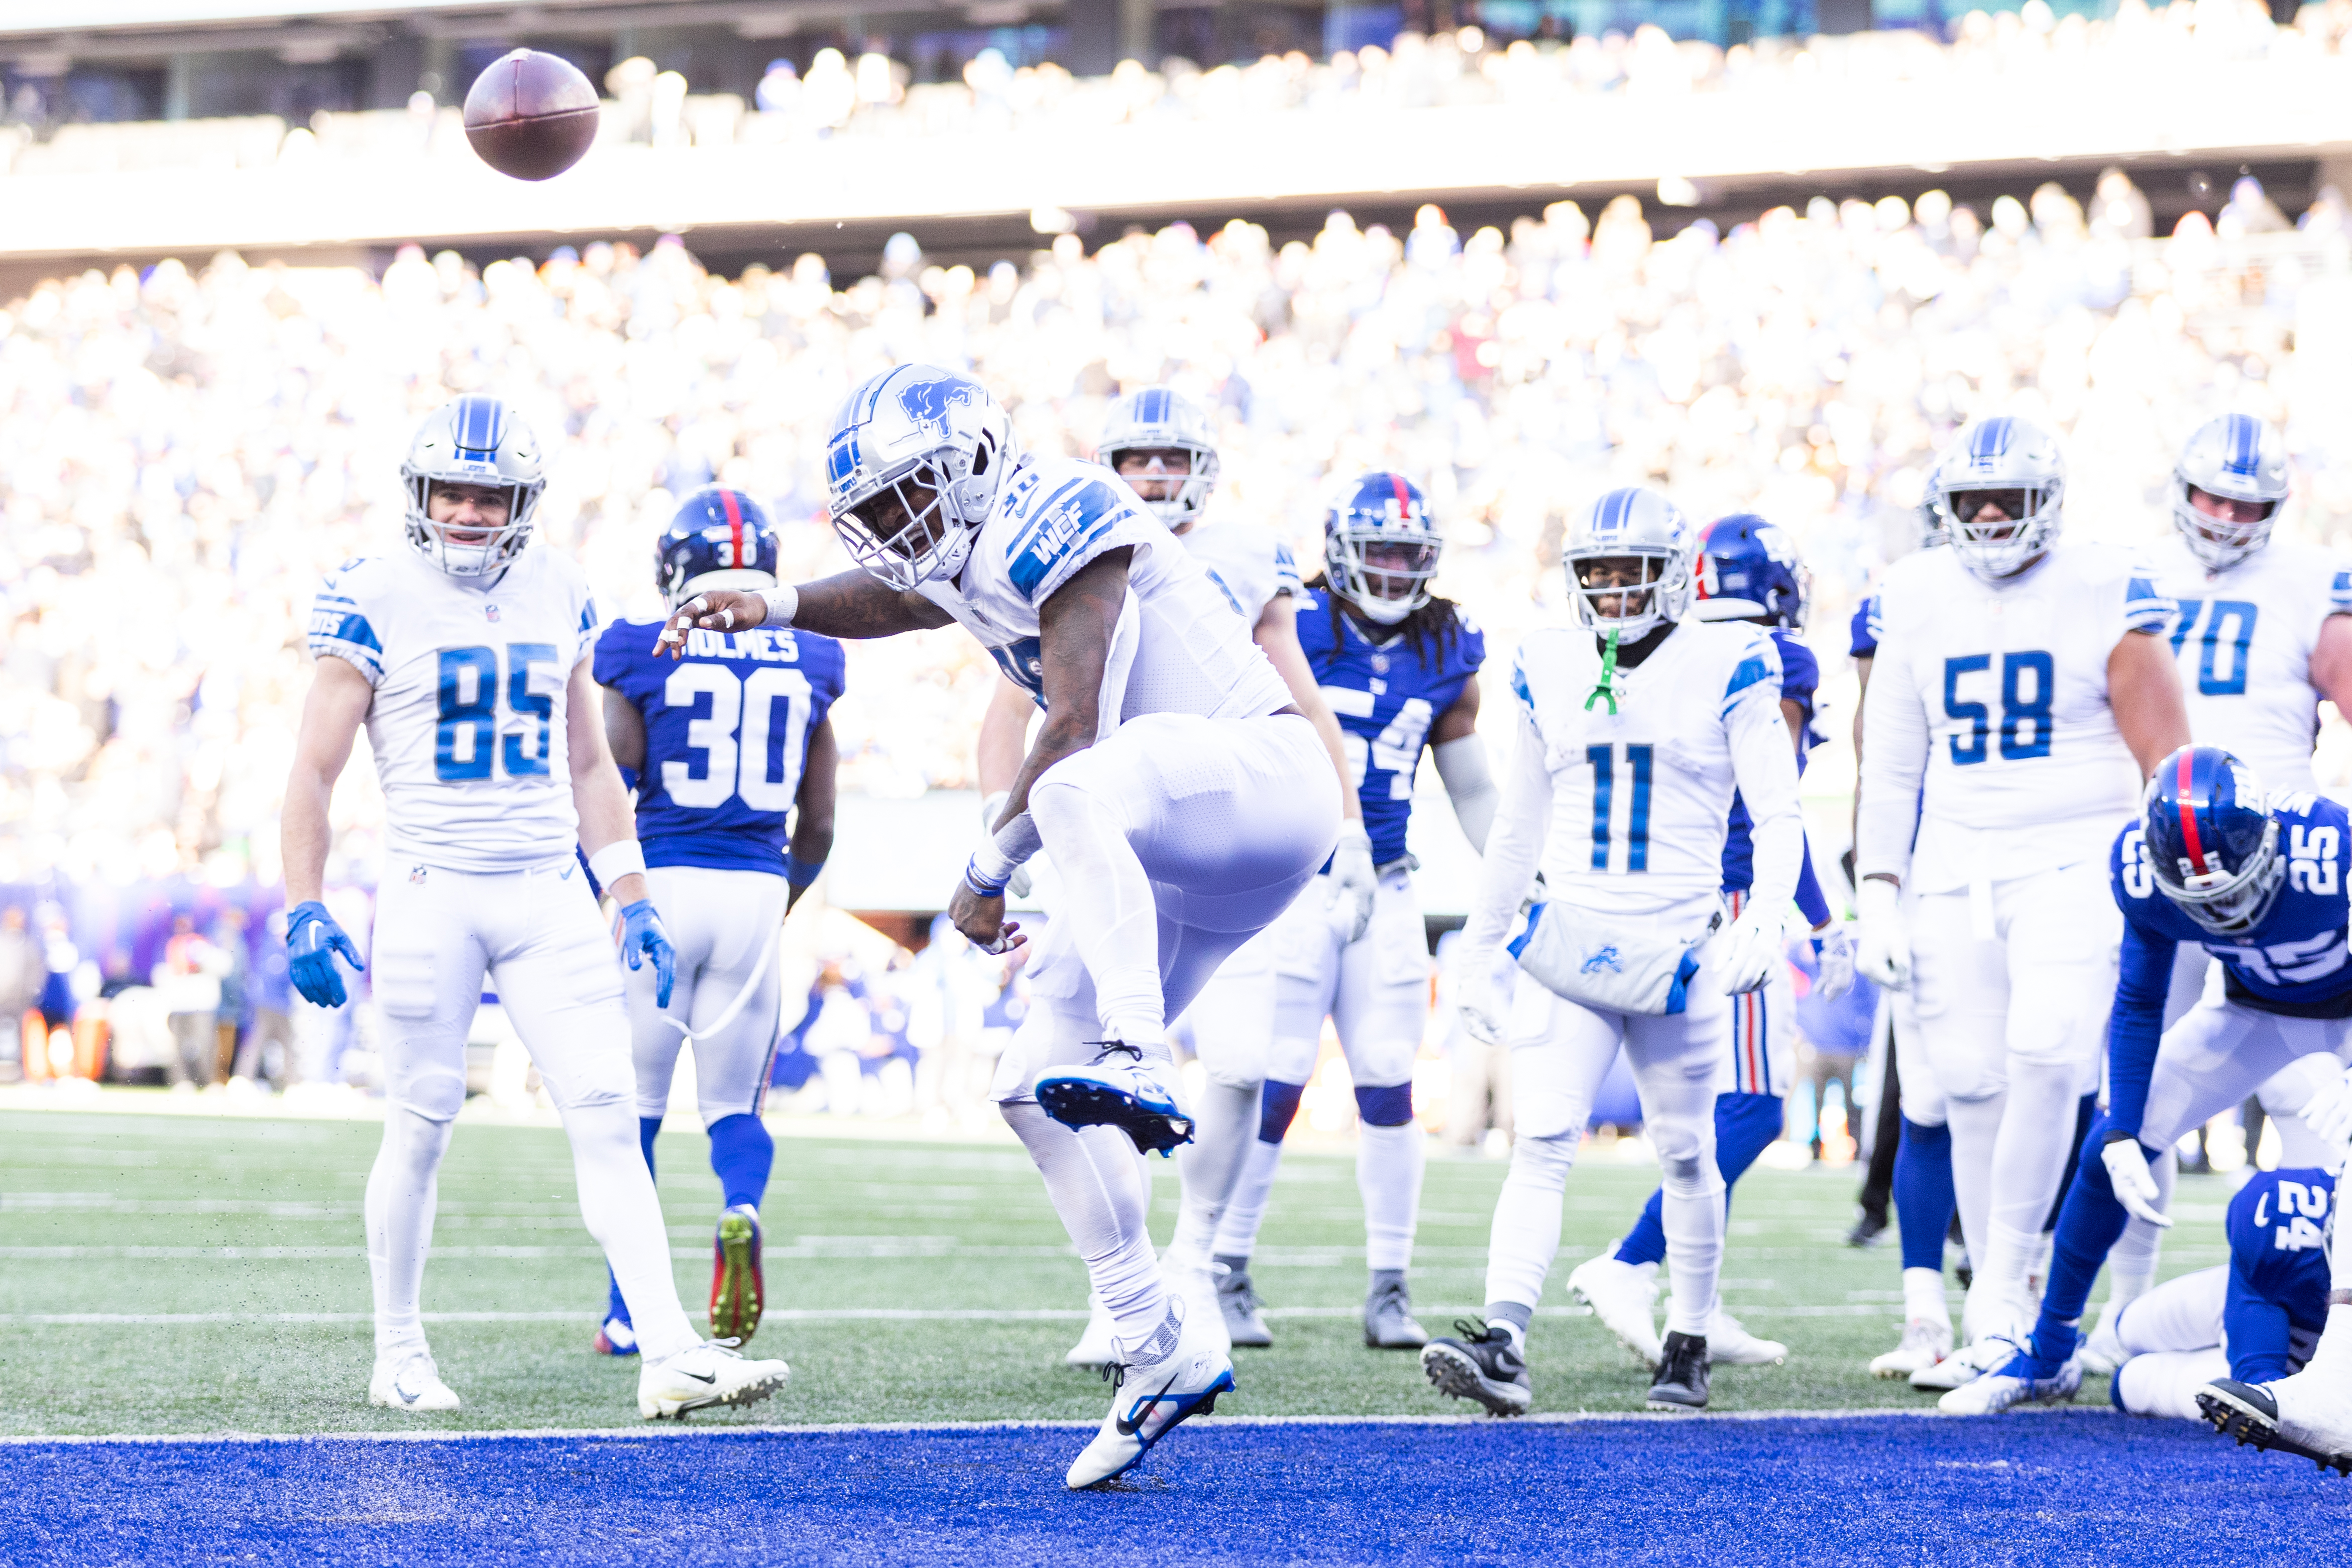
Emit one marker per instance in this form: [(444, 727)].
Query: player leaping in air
[(468, 658), (733, 751), (1642, 721), (1183, 796)]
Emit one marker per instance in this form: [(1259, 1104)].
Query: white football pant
[(1230, 1026), (725, 926), (1560, 1053), (538, 936), (2172, 1336), (2012, 983)]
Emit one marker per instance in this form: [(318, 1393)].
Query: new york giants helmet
[(1749, 570), (2211, 840), (1157, 419), (1637, 525), (2014, 466), (2236, 457), (911, 469), (719, 537), (473, 440), (1381, 547)]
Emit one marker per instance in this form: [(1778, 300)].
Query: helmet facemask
[(1994, 548), (2218, 543), (1382, 573), (2225, 902), (918, 522), (491, 547), (1629, 590), (1180, 495)]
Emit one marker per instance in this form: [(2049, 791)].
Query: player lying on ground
[(2020, 677), (2261, 886), (466, 658), (1749, 572), (1183, 798), (1162, 446), (1400, 668), (1644, 723), (731, 753)]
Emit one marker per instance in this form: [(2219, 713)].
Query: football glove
[(2127, 1172), (1354, 879), (1017, 885), (1750, 948), (643, 937), (1485, 1010), (313, 939), (1886, 951), (2328, 1111), (1833, 955)]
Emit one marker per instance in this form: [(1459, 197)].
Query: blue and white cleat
[(1118, 1088), (1154, 1397), (2023, 1379), (412, 1382), (617, 1335)]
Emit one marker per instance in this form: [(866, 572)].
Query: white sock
[(2333, 1358), (1923, 1297), (2004, 1271), (1389, 1163), (1225, 1126), (1694, 1224), (617, 1200), (1525, 1236), (402, 1190), (1975, 1125), (1109, 907), (1245, 1210), (1091, 1178)]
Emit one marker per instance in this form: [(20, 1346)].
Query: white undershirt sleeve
[(1515, 845), (1894, 762), (1765, 767), (1462, 765)]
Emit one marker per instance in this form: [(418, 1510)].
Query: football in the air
[(532, 115)]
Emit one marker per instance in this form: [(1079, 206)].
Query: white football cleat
[(703, 1375), (1728, 1344), (1624, 1297), (2019, 1380), (1926, 1342), (2309, 1414), (1965, 1365), (1094, 1347), (1153, 1396), (2103, 1351), (410, 1382), (1121, 1088)]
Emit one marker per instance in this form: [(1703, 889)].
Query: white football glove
[(2328, 1111), (2127, 1172), (1354, 879), (1017, 885), (1755, 943), (1480, 998), (1833, 953), (1884, 958)]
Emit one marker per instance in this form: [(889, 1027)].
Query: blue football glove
[(313, 939), (642, 937)]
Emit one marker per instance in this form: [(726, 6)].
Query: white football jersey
[(1996, 695), (467, 719), (2243, 638), (1052, 516), (1250, 565), (1639, 818)]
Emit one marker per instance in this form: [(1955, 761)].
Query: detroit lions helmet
[(2236, 457), (2211, 840), (911, 469), (473, 440), (2014, 466), (719, 537), (1381, 547), (1635, 525), (1156, 420), (1749, 570)]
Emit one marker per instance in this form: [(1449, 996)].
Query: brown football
[(532, 115)]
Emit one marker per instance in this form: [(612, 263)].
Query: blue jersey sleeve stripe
[(2145, 609), (1519, 685), (328, 624), (1753, 670), (2339, 595)]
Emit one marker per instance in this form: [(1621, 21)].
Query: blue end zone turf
[(2042, 1489)]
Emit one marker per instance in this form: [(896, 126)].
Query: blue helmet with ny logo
[(2211, 841), (1381, 547), (911, 467), (719, 537), (1749, 570)]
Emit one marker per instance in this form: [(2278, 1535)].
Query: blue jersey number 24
[(465, 740)]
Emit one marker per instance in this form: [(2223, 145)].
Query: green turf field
[(185, 1274)]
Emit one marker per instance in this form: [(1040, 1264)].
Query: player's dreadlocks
[(1431, 627)]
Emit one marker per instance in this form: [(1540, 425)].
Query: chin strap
[(1607, 690)]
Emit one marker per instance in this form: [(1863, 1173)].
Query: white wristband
[(782, 603), (998, 856), (622, 857)]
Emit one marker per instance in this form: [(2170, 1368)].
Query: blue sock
[(1923, 1193), (1278, 1103), (2088, 1226), (741, 1152), (1744, 1125), (648, 1128)]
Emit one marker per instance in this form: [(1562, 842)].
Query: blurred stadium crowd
[(185, 451)]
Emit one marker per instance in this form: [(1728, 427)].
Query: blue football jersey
[(1386, 698), (2278, 1272), (1801, 676), (727, 730), (1861, 637)]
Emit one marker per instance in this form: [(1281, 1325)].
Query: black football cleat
[(2249, 1413), (1482, 1364), (1681, 1382)]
